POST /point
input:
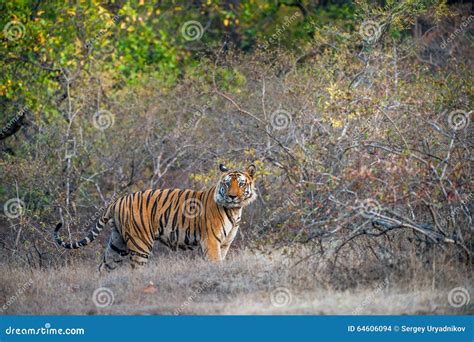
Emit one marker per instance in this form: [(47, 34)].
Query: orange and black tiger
[(184, 219)]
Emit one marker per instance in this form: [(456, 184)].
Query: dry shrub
[(361, 175)]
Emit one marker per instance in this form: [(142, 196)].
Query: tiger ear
[(223, 168), (251, 170)]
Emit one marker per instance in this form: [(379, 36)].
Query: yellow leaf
[(226, 22), (336, 123)]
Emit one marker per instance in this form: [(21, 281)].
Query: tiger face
[(235, 189)]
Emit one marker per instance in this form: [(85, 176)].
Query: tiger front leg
[(224, 250), (228, 241), (212, 250)]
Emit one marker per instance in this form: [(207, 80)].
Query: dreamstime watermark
[(370, 31), (14, 208), (289, 201), (459, 296), (14, 30), (99, 213), (280, 30), (457, 32), (192, 30), (46, 330), (70, 148), (192, 208), (370, 298), (104, 51), (103, 297), (197, 115), (18, 293), (18, 116), (368, 208), (459, 119), (90, 43), (192, 298), (280, 297), (280, 119), (455, 211), (103, 119)]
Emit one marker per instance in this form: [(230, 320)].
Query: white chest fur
[(231, 222)]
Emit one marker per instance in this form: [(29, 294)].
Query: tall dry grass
[(365, 124), (246, 283)]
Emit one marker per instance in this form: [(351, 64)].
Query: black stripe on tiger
[(179, 218)]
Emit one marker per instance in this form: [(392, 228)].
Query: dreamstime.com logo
[(461, 29), (14, 208), (192, 30), (290, 201), (280, 297), (280, 119), (103, 297), (46, 330), (21, 113), (103, 119), (192, 298), (459, 119), (280, 30), (14, 30), (192, 207), (370, 299), (17, 294), (102, 32), (459, 296), (188, 125), (370, 31)]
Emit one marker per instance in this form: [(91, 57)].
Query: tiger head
[(236, 189)]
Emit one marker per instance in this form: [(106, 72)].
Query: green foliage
[(131, 39), (344, 94)]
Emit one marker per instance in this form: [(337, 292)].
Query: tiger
[(178, 218)]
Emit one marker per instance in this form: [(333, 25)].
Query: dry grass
[(242, 285)]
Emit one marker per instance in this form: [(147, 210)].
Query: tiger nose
[(232, 196)]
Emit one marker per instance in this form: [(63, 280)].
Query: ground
[(246, 283)]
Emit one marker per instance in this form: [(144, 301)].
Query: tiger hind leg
[(140, 250), (139, 253), (138, 259), (115, 253)]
